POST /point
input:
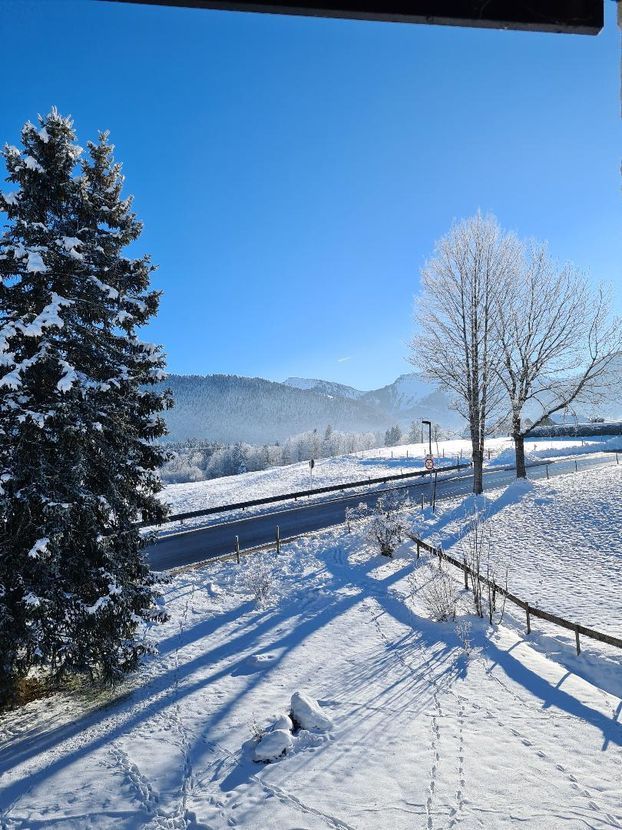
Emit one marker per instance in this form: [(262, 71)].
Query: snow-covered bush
[(355, 514), (389, 523), (273, 745), (287, 731), (439, 596), (306, 713), (182, 467), (258, 580)]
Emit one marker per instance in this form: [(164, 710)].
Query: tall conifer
[(78, 412)]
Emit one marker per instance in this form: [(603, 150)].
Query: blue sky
[(294, 173)]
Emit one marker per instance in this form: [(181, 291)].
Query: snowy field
[(376, 463), (425, 730)]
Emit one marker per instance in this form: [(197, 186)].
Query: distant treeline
[(198, 460)]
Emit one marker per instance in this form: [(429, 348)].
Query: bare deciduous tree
[(461, 289), (558, 341)]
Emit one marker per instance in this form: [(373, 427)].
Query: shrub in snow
[(464, 630), (307, 713), (389, 524), (439, 596), (78, 413), (356, 514), (484, 576), (258, 580), (256, 730), (273, 745)]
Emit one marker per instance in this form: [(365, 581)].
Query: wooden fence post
[(576, 634), (547, 471), (528, 621), (278, 539), (576, 467), (466, 577), (237, 549)]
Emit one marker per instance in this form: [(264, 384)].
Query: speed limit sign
[(429, 462)]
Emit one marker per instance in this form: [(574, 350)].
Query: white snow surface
[(511, 731)]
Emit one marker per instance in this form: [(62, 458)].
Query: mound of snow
[(273, 745), (307, 713), (614, 443), (283, 722)]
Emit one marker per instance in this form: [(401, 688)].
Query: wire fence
[(530, 610)]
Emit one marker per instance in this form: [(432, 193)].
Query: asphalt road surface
[(196, 545)]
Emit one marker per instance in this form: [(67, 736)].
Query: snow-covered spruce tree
[(77, 413)]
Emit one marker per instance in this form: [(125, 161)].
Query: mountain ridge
[(230, 408)]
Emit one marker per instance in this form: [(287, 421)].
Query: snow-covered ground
[(376, 463), (422, 732)]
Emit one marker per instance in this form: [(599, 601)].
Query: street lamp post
[(429, 423)]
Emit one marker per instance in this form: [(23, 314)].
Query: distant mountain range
[(228, 408)]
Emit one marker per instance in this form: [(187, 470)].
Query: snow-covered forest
[(200, 460)]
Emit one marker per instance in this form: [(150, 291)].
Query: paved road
[(215, 540)]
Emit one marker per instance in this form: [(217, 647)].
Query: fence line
[(331, 488), (530, 610)]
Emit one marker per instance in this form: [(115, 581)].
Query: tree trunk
[(519, 449), (478, 471)]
